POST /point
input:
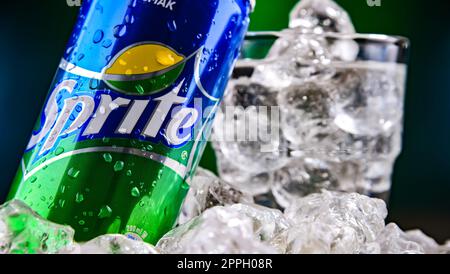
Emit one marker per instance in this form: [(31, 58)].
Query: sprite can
[(128, 114)]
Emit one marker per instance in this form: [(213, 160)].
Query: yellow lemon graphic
[(144, 69)]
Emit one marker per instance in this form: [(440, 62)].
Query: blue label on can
[(148, 70)]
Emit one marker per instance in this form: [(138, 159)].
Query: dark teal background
[(33, 36)]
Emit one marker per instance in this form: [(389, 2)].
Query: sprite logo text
[(93, 116), (141, 98)]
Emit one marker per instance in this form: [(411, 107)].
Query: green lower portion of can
[(100, 191)]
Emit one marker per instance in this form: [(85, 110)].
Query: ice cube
[(369, 100), (249, 137), (306, 50), (208, 191), (370, 159), (295, 58), (301, 178), (252, 156), (304, 176), (370, 248), (269, 225), (322, 238), (305, 113), (310, 238), (349, 147), (254, 184), (320, 16), (22, 231), (376, 177), (394, 241), (348, 175), (111, 244), (233, 229), (244, 92), (333, 222), (429, 245)]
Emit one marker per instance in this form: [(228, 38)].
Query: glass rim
[(401, 41)]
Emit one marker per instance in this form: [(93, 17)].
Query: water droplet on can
[(165, 58), (59, 151), (140, 89), (172, 25), (135, 192), (107, 43), (185, 186), (107, 157), (105, 212), (73, 173), (94, 83), (61, 203), (79, 197), (120, 30), (129, 19), (70, 50), (118, 166), (99, 7)]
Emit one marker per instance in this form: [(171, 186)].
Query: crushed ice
[(325, 223)]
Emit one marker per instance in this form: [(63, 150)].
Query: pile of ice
[(324, 223), (219, 219), (22, 231)]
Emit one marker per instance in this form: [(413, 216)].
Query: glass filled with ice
[(334, 109)]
